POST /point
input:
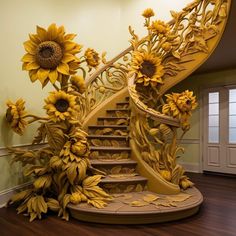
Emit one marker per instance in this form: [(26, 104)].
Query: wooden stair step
[(123, 105), (109, 126), (128, 180), (106, 148), (112, 118), (93, 136), (102, 130), (113, 162)]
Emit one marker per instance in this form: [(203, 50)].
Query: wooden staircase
[(110, 151), (133, 203)]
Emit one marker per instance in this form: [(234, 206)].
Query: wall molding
[(4, 151), (190, 141), (190, 167), (6, 194)]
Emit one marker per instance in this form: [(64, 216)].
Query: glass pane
[(213, 136), (214, 97), (232, 108), (214, 109), (232, 95), (232, 135), (213, 120), (232, 121)]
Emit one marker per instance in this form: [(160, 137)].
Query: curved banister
[(143, 109)]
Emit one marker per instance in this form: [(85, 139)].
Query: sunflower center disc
[(9, 116), (49, 54), (62, 105), (148, 69)]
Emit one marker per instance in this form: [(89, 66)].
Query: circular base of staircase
[(120, 211)]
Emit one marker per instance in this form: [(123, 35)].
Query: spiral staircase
[(114, 116)]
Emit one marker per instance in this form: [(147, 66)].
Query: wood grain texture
[(217, 217)]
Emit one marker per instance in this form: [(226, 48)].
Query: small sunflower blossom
[(159, 27), (180, 106), (92, 58), (61, 106), (50, 55), (15, 116), (79, 83), (147, 68), (148, 13)]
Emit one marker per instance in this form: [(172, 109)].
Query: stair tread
[(91, 136), (136, 178), (112, 117), (109, 126), (112, 162), (119, 109), (92, 148), (122, 103)]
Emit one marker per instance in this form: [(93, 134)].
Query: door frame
[(202, 89)]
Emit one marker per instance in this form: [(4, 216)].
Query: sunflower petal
[(70, 36), (33, 75), (68, 45), (42, 33), (28, 58), (30, 47), (63, 68), (42, 75), (53, 75), (34, 38), (67, 58), (32, 66), (52, 32)]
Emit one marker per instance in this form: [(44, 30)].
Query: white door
[(219, 130)]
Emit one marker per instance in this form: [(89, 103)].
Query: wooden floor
[(217, 217)]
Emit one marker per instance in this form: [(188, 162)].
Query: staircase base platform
[(123, 209)]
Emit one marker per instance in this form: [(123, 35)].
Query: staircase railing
[(181, 45)]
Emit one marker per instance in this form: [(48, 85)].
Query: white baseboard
[(6, 194), (190, 167)]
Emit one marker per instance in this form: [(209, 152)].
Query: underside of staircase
[(133, 202)]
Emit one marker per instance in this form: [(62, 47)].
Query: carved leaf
[(138, 204), (96, 142), (120, 132), (150, 198), (121, 122), (139, 188), (106, 130), (179, 198), (41, 136), (116, 169), (115, 143), (55, 136)]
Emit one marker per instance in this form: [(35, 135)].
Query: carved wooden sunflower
[(61, 106), (50, 55), (15, 116), (78, 83), (148, 69), (180, 105), (92, 58)]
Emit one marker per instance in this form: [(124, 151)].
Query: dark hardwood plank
[(217, 217)]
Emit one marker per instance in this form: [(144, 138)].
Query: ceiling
[(224, 56)]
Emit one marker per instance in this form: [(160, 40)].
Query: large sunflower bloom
[(180, 105), (92, 58), (15, 116), (61, 106), (148, 69), (50, 55)]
